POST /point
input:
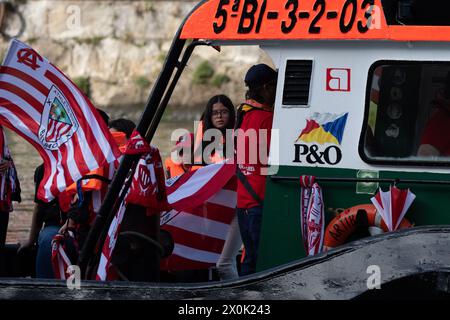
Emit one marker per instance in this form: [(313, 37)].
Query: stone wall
[(116, 49)]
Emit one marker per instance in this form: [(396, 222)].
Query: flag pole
[(128, 160)]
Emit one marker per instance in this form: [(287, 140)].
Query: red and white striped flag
[(312, 215), (42, 105), (146, 194), (103, 271), (60, 260), (204, 203)]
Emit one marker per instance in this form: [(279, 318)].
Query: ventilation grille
[(297, 82)]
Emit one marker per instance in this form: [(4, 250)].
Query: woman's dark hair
[(123, 125), (207, 117)]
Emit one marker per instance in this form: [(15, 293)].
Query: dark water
[(27, 159)]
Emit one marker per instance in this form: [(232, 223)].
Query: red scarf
[(312, 215), (148, 186)]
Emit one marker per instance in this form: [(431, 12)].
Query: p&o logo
[(319, 141)]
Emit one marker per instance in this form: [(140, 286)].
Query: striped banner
[(199, 230), (194, 188), (312, 215), (103, 271), (204, 203), (60, 260)]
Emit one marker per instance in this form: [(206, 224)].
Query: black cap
[(259, 74)]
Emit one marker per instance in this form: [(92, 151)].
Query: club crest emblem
[(58, 122)]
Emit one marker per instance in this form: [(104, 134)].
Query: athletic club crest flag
[(43, 106)]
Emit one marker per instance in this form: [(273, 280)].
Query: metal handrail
[(367, 180)]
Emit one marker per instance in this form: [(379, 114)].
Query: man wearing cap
[(435, 140), (253, 116)]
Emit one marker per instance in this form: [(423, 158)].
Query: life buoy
[(345, 223)]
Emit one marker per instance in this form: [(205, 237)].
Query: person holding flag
[(50, 220), (46, 222), (83, 199), (43, 106), (137, 217)]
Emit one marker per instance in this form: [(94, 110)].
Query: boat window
[(407, 114), (297, 83)]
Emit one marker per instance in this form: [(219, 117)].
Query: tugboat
[(361, 93)]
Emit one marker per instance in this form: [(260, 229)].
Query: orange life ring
[(344, 224)]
